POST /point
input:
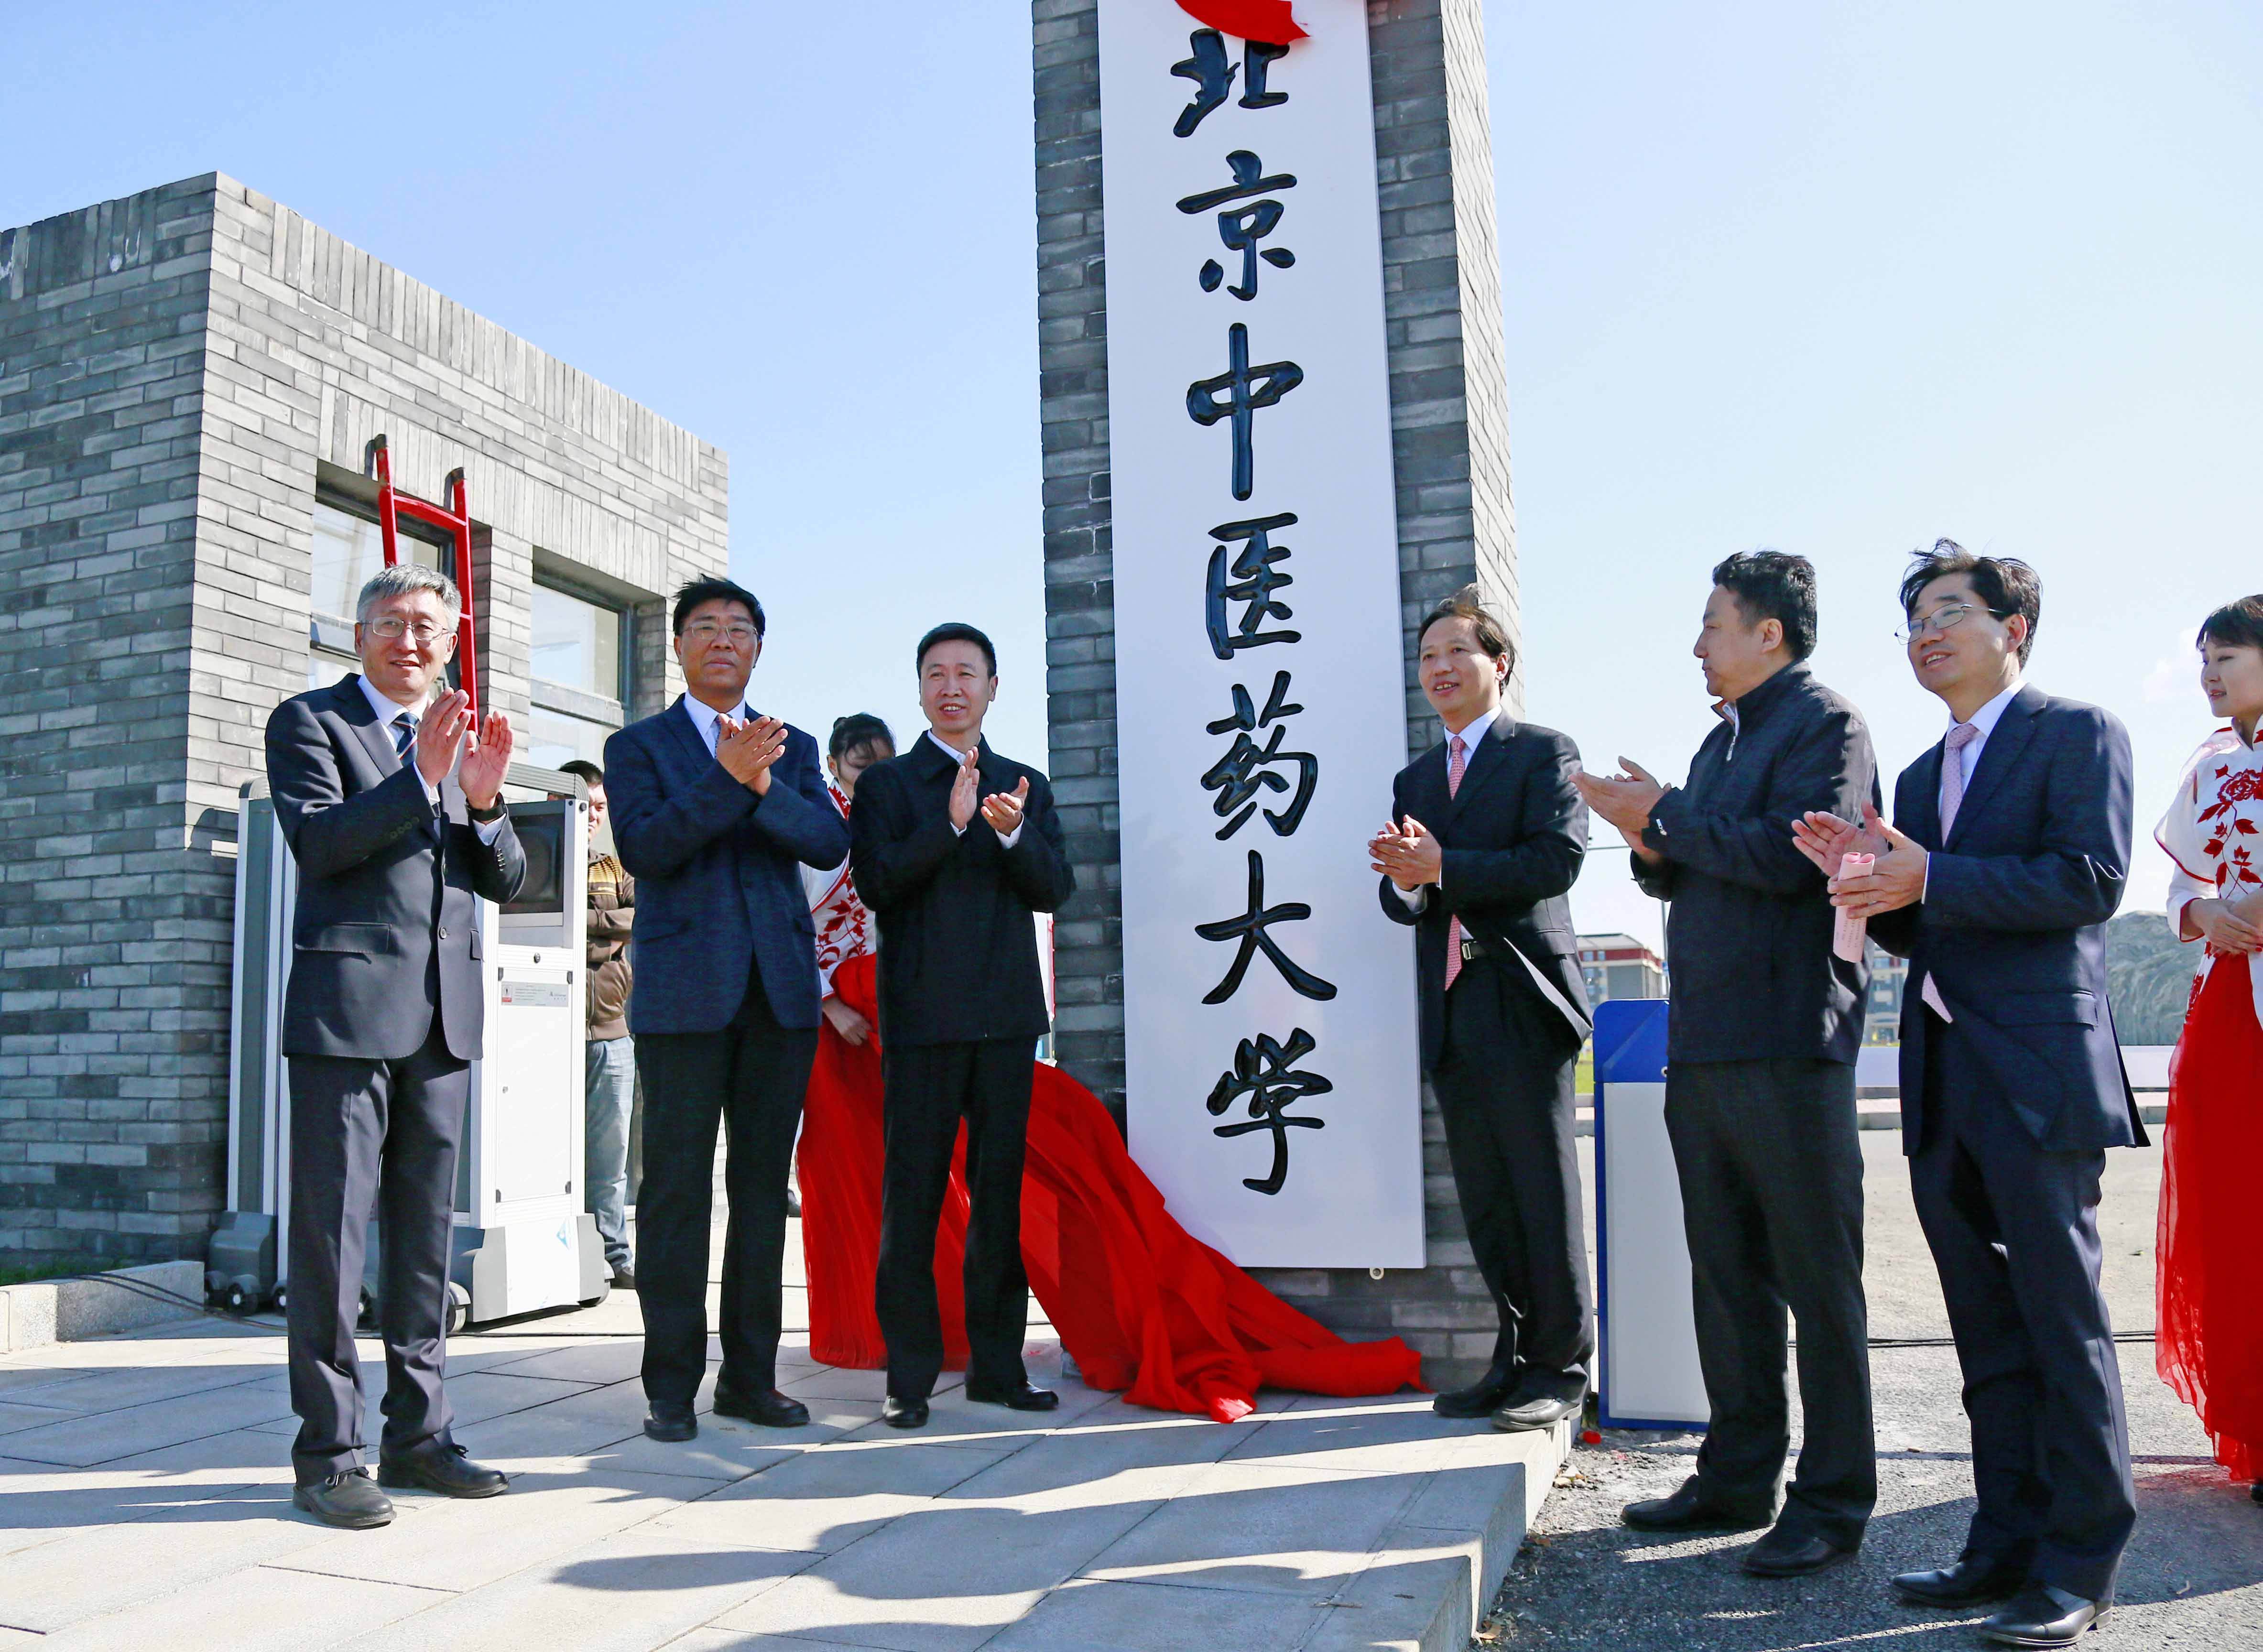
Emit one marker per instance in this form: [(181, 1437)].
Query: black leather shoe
[(1973, 1579), (1688, 1510), (904, 1413), (1787, 1554), (671, 1424), (350, 1500), (1521, 1411), (446, 1469), (2040, 1615), (1481, 1398), (1019, 1397), (770, 1408)]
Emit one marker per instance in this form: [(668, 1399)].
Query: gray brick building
[(189, 379), (1449, 442)]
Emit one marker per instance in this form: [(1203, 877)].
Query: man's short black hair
[(2006, 584), (583, 769), (1774, 585), (2235, 625), (717, 590), (955, 630)]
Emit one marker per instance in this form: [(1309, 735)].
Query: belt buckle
[(1470, 950)]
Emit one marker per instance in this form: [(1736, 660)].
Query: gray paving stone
[(595, 1362), (258, 1609), (474, 1395), (1425, 1604), (460, 1544), (821, 1501), (1359, 1436), (1300, 1531), (629, 1592), (1142, 1617), (916, 1584), (107, 1436), (116, 1389)]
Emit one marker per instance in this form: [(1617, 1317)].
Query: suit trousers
[(2013, 1230), (1504, 1082), (748, 1079), (371, 1137), (1770, 1164), (926, 1089)]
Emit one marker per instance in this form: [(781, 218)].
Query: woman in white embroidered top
[(2209, 1278)]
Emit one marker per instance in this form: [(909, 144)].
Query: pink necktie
[(1952, 799), (1457, 756)]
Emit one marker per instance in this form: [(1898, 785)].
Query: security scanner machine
[(523, 1242)]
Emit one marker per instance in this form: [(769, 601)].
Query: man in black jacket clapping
[(962, 1007), (1759, 1079)]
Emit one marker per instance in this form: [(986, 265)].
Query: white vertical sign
[(1268, 1004)]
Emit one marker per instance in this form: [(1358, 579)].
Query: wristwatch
[(484, 816)]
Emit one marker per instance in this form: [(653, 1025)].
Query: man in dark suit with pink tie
[(1485, 839), (2008, 853)]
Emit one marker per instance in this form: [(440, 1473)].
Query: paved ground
[(2194, 1576), (145, 1503)]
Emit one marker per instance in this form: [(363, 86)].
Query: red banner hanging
[(1266, 20)]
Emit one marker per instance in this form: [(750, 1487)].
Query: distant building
[(1881, 1017), (1620, 966)]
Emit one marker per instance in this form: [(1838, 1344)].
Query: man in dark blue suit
[(715, 809), (392, 804), (2007, 855), (1485, 885)]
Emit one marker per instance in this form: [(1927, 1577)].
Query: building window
[(348, 548), (580, 691)]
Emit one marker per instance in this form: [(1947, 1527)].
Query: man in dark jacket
[(715, 808), (1764, 1023), (609, 1083), (962, 1007), (393, 807), (1485, 837), (2008, 853)]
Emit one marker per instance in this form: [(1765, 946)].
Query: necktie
[(1952, 774), (1457, 756), (1952, 799), (404, 734)]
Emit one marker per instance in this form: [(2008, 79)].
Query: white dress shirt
[(705, 717), (1005, 841), (1471, 737), (386, 711), (1983, 721)]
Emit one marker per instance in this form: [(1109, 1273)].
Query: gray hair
[(406, 579)]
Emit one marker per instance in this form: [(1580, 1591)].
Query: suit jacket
[(958, 948), (1513, 836), (385, 886), (2012, 926), (717, 888), (1748, 932)]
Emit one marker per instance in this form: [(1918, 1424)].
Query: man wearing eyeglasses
[(2008, 853), (715, 809), (392, 803)]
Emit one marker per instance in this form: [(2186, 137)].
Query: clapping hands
[(448, 729), (1897, 879), (1407, 853), (748, 749)]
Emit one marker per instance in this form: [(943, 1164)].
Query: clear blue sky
[(1832, 279)]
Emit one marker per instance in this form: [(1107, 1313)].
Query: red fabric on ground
[(2208, 1258), (1143, 1307)]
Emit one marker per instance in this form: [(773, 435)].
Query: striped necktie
[(404, 734)]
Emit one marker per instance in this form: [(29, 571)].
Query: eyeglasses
[(392, 628), (706, 632), (1942, 619)]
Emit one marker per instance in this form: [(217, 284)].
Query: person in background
[(609, 1087), (2008, 853), (1764, 1023), (2209, 1261), (845, 928), (1485, 839)]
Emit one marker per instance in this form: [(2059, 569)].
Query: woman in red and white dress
[(1142, 1307), (2210, 1266)]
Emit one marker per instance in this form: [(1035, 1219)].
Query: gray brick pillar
[(1450, 445)]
